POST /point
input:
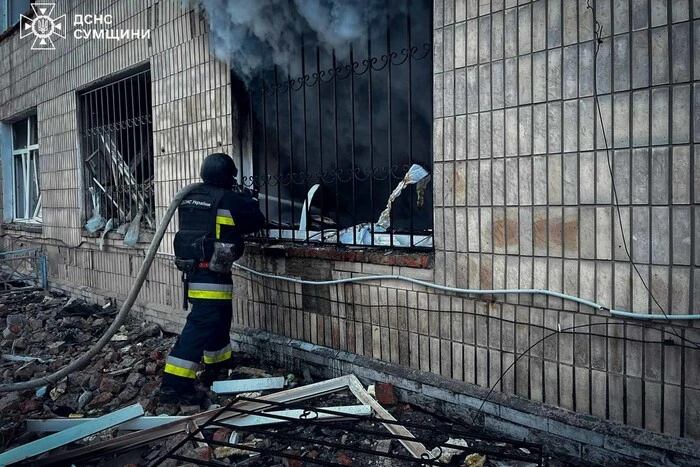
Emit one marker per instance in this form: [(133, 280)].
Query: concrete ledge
[(373, 255), (579, 438)]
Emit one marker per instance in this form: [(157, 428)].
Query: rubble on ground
[(43, 332)]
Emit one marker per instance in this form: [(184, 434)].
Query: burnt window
[(116, 129), (338, 130)]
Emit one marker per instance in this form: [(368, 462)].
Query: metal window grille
[(330, 146), (443, 437), (25, 161), (116, 128)]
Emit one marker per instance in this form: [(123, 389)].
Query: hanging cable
[(566, 330), (598, 31)]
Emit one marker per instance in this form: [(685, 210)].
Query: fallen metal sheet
[(64, 437), (255, 420), (53, 425), (416, 449), (142, 437), (247, 385)]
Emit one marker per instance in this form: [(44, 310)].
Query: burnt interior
[(351, 120)]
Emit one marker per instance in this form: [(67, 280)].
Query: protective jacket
[(210, 239), (213, 221)]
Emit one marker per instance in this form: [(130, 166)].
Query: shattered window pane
[(33, 130), (19, 188), (117, 130)]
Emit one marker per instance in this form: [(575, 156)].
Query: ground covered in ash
[(43, 332)]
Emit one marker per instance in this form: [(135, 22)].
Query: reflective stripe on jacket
[(210, 291)]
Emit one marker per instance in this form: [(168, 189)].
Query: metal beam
[(53, 425), (296, 414), (416, 449), (75, 433), (247, 385)]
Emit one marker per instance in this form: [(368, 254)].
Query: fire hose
[(119, 319)]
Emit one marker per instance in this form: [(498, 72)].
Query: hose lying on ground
[(123, 312)]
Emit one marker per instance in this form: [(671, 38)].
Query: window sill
[(144, 237), (383, 256), (19, 226)]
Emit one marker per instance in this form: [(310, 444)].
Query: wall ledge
[(23, 227), (580, 438), (383, 256)]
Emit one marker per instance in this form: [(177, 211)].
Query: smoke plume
[(254, 35)]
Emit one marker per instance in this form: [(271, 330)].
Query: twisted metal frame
[(491, 446)]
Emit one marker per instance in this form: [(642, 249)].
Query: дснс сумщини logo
[(43, 26)]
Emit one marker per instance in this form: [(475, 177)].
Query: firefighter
[(213, 219)]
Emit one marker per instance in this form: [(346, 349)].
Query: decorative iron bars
[(23, 268), (116, 129), (329, 147), (331, 450)]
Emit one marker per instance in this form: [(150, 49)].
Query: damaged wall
[(191, 117), (526, 199), (523, 199)]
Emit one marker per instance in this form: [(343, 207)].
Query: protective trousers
[(206, 334)]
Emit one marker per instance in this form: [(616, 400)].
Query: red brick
[(149, 404), (385, 394), (150, 387), (32, 405), (222, 434), (100, 400), (10, 402), (110, 385), (203, 453), (343, 459)]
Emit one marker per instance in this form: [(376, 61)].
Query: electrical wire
[(598, 31), (539, 341), (445, 288)]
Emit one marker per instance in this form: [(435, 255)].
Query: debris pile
[(108, 413), (43, 332)]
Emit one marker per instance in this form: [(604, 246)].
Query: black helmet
[(218, 169)]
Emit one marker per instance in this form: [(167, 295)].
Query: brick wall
[(523, 199), (522, 195), (191, 114), (526, 198)]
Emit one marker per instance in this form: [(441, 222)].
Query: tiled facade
[(527, 200), (522, 194), (524, 200), (191, 115)]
